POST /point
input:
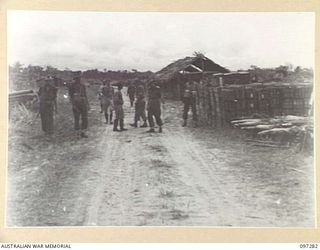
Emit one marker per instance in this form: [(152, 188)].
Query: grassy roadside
[(39, 165)]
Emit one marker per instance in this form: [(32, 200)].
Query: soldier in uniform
[(118, 109), (107, 93), (99, 95), (48, 104), (131, 93), (189, 101), (140, 107), (80, 105), (154, 106), (56, 81)]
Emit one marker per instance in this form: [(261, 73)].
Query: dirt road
[(182, 177)]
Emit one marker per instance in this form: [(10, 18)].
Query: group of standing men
[(111, 101), (48, 104)]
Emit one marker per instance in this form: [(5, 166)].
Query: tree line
[(24, 77)]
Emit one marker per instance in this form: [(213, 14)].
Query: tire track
[(193, 171), (102, 169)]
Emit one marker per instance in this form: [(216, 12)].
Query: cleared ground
[(182, 177)]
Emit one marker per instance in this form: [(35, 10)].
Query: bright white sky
[(150, 40)]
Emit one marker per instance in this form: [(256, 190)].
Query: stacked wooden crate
[(232, 102), (291, 100), (251, 100), (205, 105), (301, 100), (263, 101), (276, 100), (208, 105)]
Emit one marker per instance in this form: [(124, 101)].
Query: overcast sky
[(150, 41)]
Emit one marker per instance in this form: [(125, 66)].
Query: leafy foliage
[(282, 73)]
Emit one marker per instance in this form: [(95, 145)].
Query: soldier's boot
[(122, 125), (195, 124), (144, 125), (115, 125), (135, 124), (151, 130), (49, 133), (106, 116), (83, 134), (160, 129), (184, 123), (78, 133), (111, 118)]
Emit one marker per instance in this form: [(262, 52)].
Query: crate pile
[(296, 100), (217, 105), (210, 110)]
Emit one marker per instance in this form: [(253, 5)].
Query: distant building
[(232, 78), (173, 76)]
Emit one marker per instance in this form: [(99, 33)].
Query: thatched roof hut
[(190, 65), (173, 76)]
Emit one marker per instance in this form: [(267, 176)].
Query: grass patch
[(177, 214), (158, 148), (160, 164), (166, 193)]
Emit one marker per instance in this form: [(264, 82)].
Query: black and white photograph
[(160, 119)]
